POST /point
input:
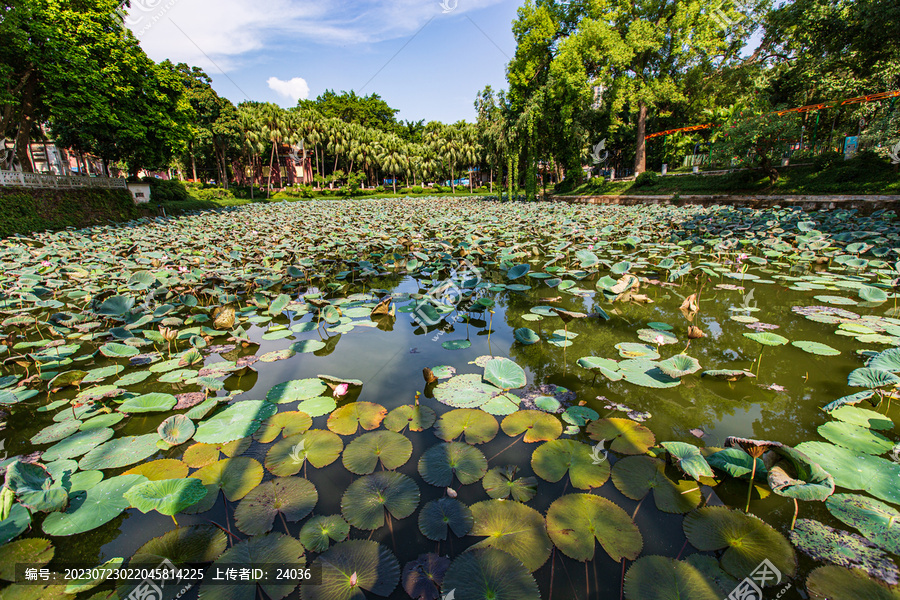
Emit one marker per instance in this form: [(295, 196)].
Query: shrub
[(380, 189), (416, 189), (437, 189), (826, 160), (166, 190), (646, 179)]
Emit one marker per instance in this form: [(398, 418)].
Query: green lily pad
[(844, 549), (552, 460), (575, 521), (257, 552), (441, 462), (156, 470), (634, 350), (366, 500), (626, 436), (35, 551), (504, 374), (347, 419), (456, 344), (92, 508), (747, 540), (392, 450), (15, 523), (319, 531), (349, 569), (767, 338), (816, 348), (489, 574), (736, 463), (319, 447), (796, 476), (442, 515), (476, 425), (166, 496), (526, 336), (176, 430), (537, 426), (664, 578), (688, 459), (862, 417), (416, 417), (871, 378), (636, 476), (236, 477), (34, 487), (297, 389), (183, 545), (465, 391), (855, 437), (501, 483), (514, 528), (839, 583), (856, 470), (679, 365), (291, 498), (877, 521), (120, 452), (77, 444), (239, 420)]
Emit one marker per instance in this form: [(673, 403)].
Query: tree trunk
[(394, 179), (23, 135), (193, 162), (452, 186), (640, 158), (271, 160)]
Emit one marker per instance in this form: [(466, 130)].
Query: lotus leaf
[(290, 498), (442, 515), (574, 522), (92, 508), (626, 436), (366, 500), (319, 531), (392, 450), (843, 548), (476, 425), (347, 419), (166, 496), (350, 567), (514, 528)]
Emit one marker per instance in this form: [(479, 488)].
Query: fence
[(39, 180)]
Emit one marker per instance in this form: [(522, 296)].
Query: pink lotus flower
[(742, 257), (182, 269), (591, 247), (341, 390), (45, 263), (659, 340)]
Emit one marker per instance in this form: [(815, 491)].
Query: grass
[(857, 176), (25, 211)]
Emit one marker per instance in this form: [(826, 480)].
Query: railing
[(39, 180)]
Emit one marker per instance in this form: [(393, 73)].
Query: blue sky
[(424, 61)]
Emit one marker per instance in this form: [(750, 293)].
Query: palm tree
[(391, 157), (273, 128)]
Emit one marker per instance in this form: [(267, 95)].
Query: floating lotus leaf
[(626, 436), (679, 365), (877, 521), (634, 350), (839, 583), (239, 420), (441, 462), (392, 450), (288, 423), (422, 577), (727, 374), (442, 515), (347, 419), (796, 476), (465, 391), (504, 374), (291, 498), (767, 338), (103, 420), (664, 578), (92, 508), (77, 444), (88, 582), (517, 271), (501, 483), (856, 470), (586, 468), (416, 417), (889, 360), (56, 432), (844, 549), (746, 538), (489, 574), (872, 294), (176, 430), (656, 337), (646, 373), (736, 463), (537, 426), (514, 528), (710, 568), (234, 476), (862, 417), (855, 437), (575, 521), (606, 366), (297, 389), (200, 455), (635, 476), (120, 452), (166, 468), (351, 568), (34, 487), (35, 551), (476, 425), (67, 379), (688, 459), (456, 344), (166, 496), (114, 350), (15, 523), (816, 348), (366, 500), (526, 336), (182, 546), (871, 378), (319, 447), (259, 551), (319, 531)]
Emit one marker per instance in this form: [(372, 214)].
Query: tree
[(369, 111)]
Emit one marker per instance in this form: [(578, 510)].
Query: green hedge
[(27, 211)]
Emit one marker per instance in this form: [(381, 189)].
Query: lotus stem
[(552, 570), (750, 490), (507, 448), (587, 582), (173, 520), (796, 512)]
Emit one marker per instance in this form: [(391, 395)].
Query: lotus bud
[(341, 390)]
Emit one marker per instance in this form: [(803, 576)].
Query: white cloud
[(219, 34), (294, 89)]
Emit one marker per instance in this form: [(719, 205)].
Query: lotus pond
[(457, 398)]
